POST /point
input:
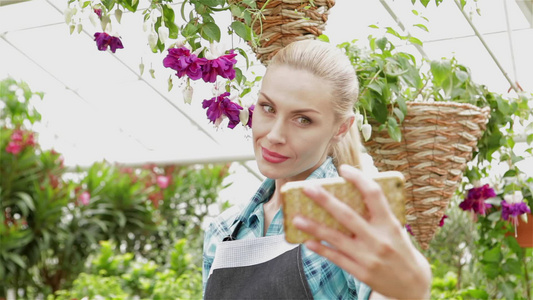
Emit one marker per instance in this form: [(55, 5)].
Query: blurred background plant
[(52, 218)]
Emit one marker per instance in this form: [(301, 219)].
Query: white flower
[(514, 198), (359, 120), (215, 51), (187, 94), (180, 43), (219, 88), (367, 131)]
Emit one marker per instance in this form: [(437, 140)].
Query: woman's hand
[(379, 252)]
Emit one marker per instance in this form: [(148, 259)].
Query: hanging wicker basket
[(438, 139), (285, 21)]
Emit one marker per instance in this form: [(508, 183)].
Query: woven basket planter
[(438, 139), (287, 21)]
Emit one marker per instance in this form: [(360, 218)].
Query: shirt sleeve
[(363, 290), (207, 258)]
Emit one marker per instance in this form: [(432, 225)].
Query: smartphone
[(296, 202)]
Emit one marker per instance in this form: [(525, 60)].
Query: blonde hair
[(333, 66)]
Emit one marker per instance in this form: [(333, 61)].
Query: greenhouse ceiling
[(98, 106)]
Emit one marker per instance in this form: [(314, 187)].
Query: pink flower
[(163, 181), (184, 63), (98, 12), (85, 198), (14, 148), (104, 40), (220, 106), (19, 141), (222, 66), (475, 200)]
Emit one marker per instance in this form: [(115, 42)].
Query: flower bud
[(244, 115), (93, 17), (147, 25), (72, 28), (69, 13), (118, 14), (80, 28), (141, 68), (367, 131), (152, 40), (163, 34), (85, 198), (524, 217), (170, 84), (163, 181), (359, 120), (187, 94)]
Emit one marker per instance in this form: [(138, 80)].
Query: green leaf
[(243, 53), (401, 104), (108, 4), (189, 30), (507, 288), (323, 38), (510, 173), (422, 26), (461, 75), (211, 3), (441, 70), (242, 30), (398, 112), (512, 266), (495, 216), (130, 5), (393, 129), (211, 31), (382, 43), (493, 255), (415, 41)]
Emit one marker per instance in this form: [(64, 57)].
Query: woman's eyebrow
[(297, 111)]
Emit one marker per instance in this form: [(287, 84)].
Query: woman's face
[(293, 123)]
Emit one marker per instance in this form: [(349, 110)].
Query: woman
[(302, 129)]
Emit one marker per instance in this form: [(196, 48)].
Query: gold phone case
[(296, 202)]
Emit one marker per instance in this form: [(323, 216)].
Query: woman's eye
[(304, 121), (267, 108)]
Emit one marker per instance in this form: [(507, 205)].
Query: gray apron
[(257, 268)]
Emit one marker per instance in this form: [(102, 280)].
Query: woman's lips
[(273, 157)]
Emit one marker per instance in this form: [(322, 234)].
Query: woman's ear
[(344, 128)]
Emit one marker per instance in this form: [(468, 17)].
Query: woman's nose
[(276, 135)]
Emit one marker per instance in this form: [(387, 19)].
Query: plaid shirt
[(326, 280)]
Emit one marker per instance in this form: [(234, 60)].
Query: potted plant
[(427, 119)]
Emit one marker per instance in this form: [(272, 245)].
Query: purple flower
[(408, 227), (220, 106), (251, 112), (475, 200), (104, 40), (222, 66), (514, 206), (441, 222), (184, 63)]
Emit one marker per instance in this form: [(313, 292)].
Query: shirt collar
[(267, 188)]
